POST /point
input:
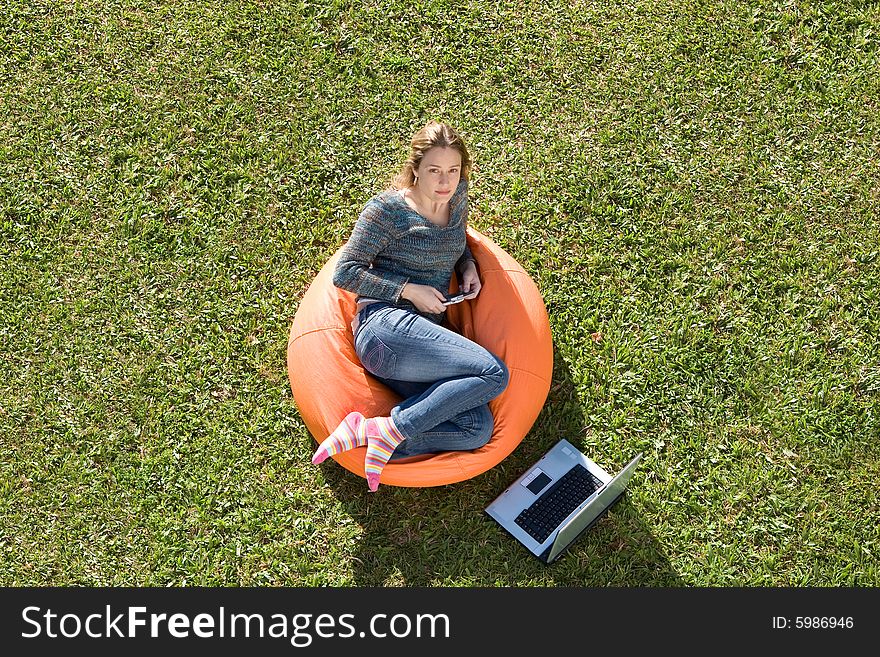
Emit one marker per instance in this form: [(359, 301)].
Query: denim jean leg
[(400, 345), (466, 431)]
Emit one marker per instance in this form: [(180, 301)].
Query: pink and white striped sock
[(348, 435), (382, 438)]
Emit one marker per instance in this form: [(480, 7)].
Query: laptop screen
[(607, 496)]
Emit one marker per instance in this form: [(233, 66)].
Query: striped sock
[(348, 435), (382, 438)]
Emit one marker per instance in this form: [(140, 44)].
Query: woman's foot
[(348, 435), (382, 439)]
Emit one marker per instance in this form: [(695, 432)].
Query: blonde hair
[(432, 135)]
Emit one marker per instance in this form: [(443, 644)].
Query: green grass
[(692, 184)]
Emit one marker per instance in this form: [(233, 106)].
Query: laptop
[(558, 499)]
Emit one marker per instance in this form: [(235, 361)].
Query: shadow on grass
[(442, 537)]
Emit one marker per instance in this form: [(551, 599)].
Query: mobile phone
[(454, 298)]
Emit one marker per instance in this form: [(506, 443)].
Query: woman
[(399, 261)]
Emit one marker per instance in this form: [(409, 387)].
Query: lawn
[(692, 184)]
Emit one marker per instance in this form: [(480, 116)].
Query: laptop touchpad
[(536, 481)]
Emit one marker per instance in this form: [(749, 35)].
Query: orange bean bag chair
[(508, 318)]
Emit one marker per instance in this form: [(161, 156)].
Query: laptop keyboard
[(544, 515)]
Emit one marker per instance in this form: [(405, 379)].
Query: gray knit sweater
[(392, 245)]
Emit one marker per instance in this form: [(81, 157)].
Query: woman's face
[(439, 173)]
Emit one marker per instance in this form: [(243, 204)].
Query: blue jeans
[(445, 379)]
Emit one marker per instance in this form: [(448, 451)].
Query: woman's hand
[(424, 297), (470, 280)]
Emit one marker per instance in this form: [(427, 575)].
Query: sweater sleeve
[(459, 205), (465, 258), (354, 271)]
